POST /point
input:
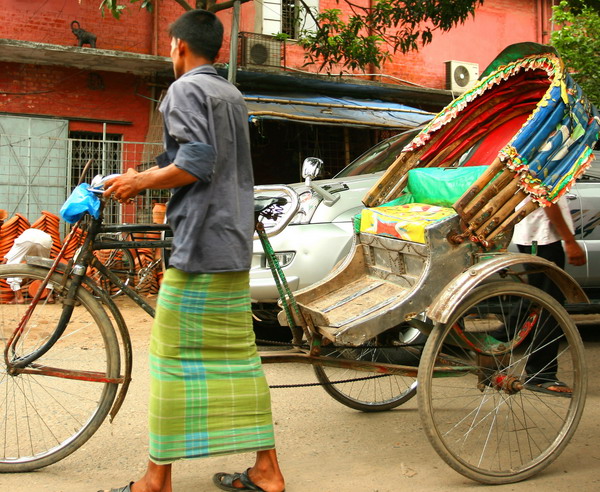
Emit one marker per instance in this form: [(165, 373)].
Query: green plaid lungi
[(208, 393)]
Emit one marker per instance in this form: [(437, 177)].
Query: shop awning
[(323, 110)]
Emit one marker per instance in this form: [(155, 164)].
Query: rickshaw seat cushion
[(407, 222), (441, 186)]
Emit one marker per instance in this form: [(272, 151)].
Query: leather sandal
[(545, 388), (224, 481), (127, 488)]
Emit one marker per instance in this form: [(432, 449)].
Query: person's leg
[(542, 365), (15, 286), (156, 479), (264, 475), (266, 472), (18, 299), (15, 255)]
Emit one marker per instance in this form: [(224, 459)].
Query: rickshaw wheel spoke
[(480, 404)]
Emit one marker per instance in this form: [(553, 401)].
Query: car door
[(584, 201)]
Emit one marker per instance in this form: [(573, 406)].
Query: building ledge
[(272, 81), (92, 59), (255, 80)]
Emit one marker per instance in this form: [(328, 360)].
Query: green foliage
[(369, 36), (578, 42), (116, 8), (281, 36), (339, 42)]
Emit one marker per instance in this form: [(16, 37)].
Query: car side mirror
[(311, 168)]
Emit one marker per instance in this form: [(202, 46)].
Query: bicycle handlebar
[(294, 206)]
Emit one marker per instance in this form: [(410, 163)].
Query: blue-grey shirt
[(206, 134)]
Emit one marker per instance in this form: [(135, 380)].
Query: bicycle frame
[(129, 244)]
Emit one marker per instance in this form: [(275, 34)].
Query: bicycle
[(69, 360), (138, 267)]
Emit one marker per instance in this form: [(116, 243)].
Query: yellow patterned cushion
[(406, 222)]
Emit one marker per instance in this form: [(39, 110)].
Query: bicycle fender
[(462, 285)]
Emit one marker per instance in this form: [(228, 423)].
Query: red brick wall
[(64, 92), (496, 24), (48, 21)]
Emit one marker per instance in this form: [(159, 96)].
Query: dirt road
[(323, 446)]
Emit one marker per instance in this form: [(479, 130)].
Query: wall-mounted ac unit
[(259, 50), (460, 76)]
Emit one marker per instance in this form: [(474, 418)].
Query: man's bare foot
[(559, 388), (555, 387), (18, 299)]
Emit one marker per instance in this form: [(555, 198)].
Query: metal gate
[(33, 165)]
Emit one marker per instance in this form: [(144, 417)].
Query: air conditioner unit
[(260, 50), (461, 76)]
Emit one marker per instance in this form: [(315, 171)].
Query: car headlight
[(285, 258), (259, 261), (309, 202)]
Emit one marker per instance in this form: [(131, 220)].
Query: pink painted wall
[(497, 24)]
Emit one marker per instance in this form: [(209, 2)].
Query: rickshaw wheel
[(481, 410), (366, 391)]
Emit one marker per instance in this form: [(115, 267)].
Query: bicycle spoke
[(45, 418), (492, 424)]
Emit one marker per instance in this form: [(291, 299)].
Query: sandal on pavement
[(127, 488), (224, 481), (545, 388)]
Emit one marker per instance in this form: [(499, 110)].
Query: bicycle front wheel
[(44, 417), (481, 383)]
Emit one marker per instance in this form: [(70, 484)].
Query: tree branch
[(309, 12), (184, 4), (227, 5)]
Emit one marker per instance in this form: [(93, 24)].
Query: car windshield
[(378, 158)]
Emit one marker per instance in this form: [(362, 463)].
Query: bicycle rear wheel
[(365, 391), (45, 418), (479, 399), (120, 262)]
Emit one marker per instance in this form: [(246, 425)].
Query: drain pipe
[(233, 43)]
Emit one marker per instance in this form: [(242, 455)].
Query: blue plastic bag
[(80, 202)]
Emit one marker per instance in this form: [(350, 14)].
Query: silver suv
[(321, 233)]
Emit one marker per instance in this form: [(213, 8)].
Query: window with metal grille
[(290, 18), (104, 151)]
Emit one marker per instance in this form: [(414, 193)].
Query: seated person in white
[(31, 242)]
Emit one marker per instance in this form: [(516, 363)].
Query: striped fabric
[(208, 393)]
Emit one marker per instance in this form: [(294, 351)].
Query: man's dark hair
[(201, 30)]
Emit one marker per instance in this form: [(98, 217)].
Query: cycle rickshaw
[(423, 258)]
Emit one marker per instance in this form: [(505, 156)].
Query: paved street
[(323, 446)]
